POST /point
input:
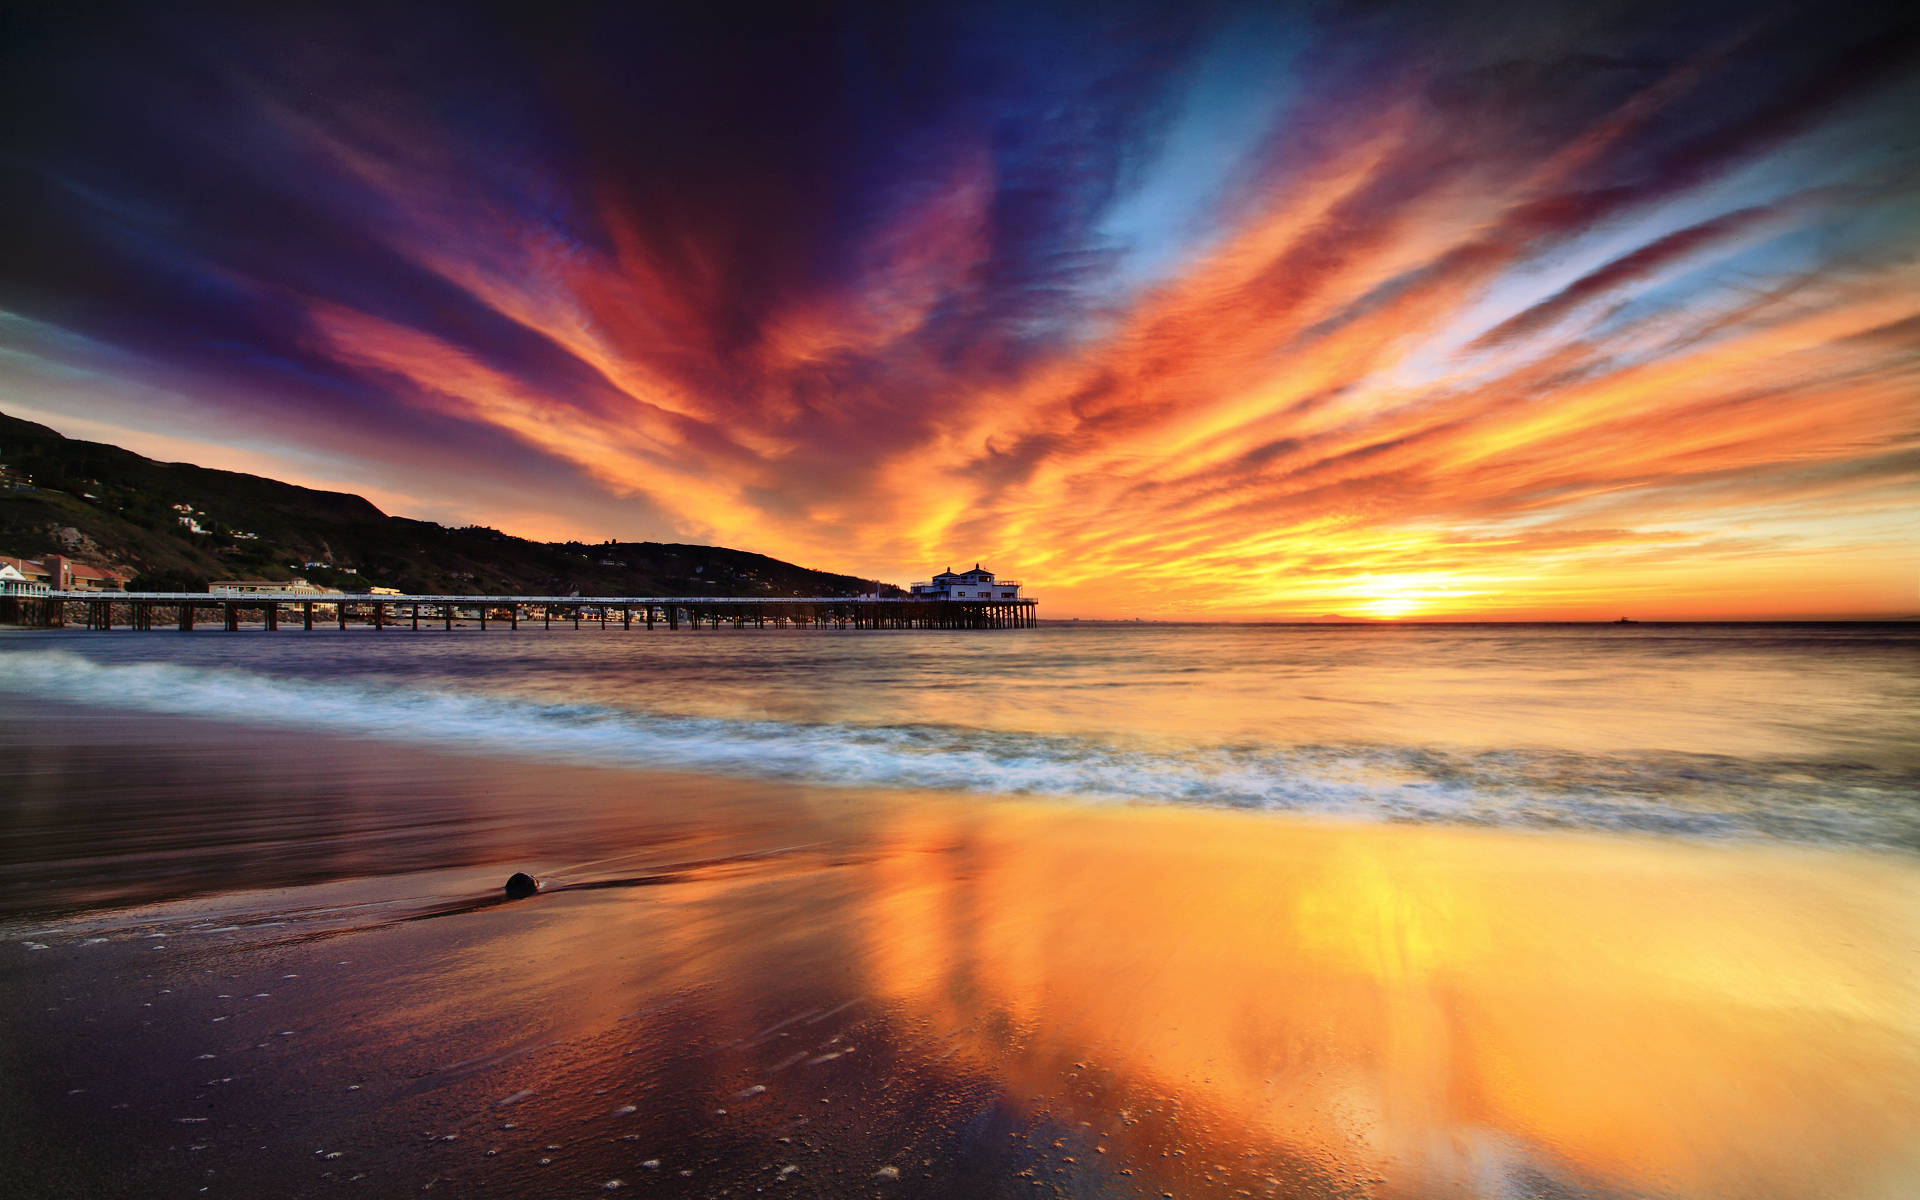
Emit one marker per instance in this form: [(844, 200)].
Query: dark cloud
[(861, 271)]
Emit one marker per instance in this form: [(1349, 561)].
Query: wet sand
[(304, 983)]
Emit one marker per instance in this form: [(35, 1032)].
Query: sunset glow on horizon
[(1422, 312)]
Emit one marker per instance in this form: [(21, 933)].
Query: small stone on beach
[(521, 885)]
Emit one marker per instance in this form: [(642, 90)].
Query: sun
[(1393, 605), (1392, 597)]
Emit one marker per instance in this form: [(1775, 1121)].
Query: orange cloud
[(1564, 337)]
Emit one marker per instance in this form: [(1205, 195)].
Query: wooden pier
[(187, 611)]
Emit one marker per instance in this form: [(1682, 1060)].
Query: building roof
[(950, 573), (35, 568)]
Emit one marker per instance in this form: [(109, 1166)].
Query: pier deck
[(185, 611)]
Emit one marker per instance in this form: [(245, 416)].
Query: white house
[(976, 584), (13, 583)]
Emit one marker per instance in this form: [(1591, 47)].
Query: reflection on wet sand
[(1426, 1010), (996, 1000)]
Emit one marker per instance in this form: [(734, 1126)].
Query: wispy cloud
[(1429, 311)]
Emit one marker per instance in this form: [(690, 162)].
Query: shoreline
[(309, 808), (976, 994), (467, 807), (1347, 749)]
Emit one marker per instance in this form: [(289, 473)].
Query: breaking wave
[(1668, 793)]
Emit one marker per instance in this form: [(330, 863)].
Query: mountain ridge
[(111, 507)]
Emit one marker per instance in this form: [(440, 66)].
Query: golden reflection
[(1428, 1008)]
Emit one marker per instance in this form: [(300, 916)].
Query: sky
[(1399, 311)]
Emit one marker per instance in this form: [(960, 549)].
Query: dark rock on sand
[(521, 885)]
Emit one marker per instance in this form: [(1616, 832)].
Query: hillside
[(112, 507)]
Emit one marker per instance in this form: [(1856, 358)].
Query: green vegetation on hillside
[(112, 507)]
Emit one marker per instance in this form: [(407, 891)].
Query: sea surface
[(1800, 733), (1136, 911)]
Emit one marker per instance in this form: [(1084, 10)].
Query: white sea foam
[(1695, 795)]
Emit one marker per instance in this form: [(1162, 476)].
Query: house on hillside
[(977, 584)]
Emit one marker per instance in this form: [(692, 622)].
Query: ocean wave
[(1667, 793)]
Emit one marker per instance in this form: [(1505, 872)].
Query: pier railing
[(185, 611)]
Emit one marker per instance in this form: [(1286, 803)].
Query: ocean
[(1804, 733), (1088, 909)]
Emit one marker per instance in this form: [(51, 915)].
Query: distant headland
[(177, 527)]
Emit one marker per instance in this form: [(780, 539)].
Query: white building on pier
[(13, 583), (977, 584)]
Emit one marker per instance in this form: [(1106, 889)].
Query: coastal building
[(84, 578), (253, 587), (13, 583), (977, 584), (58, 573), (32, 570)]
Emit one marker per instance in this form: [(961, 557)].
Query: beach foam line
[(1667, 793)]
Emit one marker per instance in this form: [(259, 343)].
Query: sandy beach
[(737, 987)]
